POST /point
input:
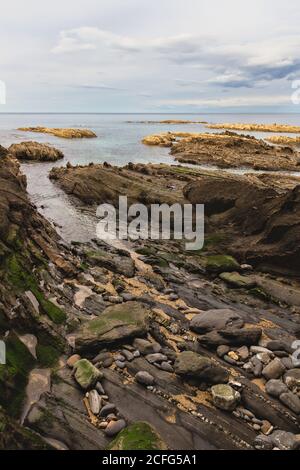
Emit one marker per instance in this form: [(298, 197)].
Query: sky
[(174, 56)]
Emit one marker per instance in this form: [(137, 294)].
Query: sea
[(118, 142)]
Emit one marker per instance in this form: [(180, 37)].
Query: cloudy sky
[(149, 55)]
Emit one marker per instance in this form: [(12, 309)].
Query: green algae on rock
[(138, 436), (86, 374), (221, 263), (14, 374), (116, 323), (235, 279)]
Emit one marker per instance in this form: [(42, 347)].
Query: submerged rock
[(144, 378), (114, 427), (275, 388), (232, 337), (221, 263), (234, 279)]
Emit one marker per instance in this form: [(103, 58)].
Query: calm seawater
[(118, 142)]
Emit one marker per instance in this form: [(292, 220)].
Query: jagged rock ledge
[(66, 133)]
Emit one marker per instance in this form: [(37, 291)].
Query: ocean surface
[(118, 142)]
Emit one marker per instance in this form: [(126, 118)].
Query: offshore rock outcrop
[(256, 127), (66, 133), (234, 151), (34, 151), (226, 150)]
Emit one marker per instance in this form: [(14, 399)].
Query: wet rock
[(285, 440), (264, 358), (72, 360), (263, 442), (259, 349), (273, 370), (86, 374), (222, 350), (287, 362), (144, 378), (275, 388), (100, 388), (107, 409), (102, 356), (127, 297), (292, 401), (94, 402), (192, 365), (221, 263), (234, 279), (115, 299), (157, 357), (215, 320), (114, 262), (173, 297), (266, 427), (116, 323), (107, 362), (146, 347), (232, 337), (166, 367), (114, 427), (225, 397), (292, 378)]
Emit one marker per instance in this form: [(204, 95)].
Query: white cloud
[(114, 55)]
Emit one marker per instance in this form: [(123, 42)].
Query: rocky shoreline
[(227, 150), (151, 346)]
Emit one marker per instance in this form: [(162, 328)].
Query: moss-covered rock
[(221, 263), (86, 374), (235, 279), (138, 436), (15, 437), (115, 324), (21, 279), (14, 374)]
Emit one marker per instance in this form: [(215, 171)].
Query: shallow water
[(118, 142)]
